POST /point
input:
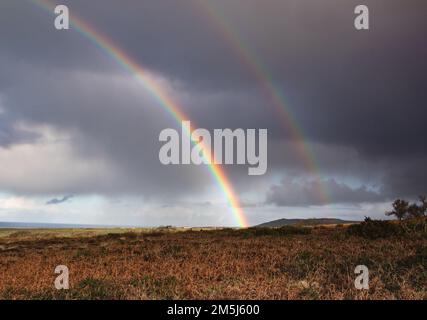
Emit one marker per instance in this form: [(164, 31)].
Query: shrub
[(374, 229), (416, 225), (282, 231)]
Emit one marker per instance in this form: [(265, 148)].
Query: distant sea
[(30, 225)]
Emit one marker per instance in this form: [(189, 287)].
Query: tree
[(403, 210), (416, 211), (400, 209), (423, 206)]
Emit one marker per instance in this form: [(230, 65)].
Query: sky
[(79, 136)]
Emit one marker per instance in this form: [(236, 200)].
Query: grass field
[(285, 263)]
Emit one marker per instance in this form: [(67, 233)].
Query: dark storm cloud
[(304, 193), (55, 201), (359, 97), (28, 35), (110, 118), (11, 134), (405, 178)]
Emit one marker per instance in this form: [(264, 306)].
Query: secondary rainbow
[(246, 56), (159, 93)]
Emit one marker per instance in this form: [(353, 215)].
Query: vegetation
[(288, 262), (257, 263), (404, 210), (377, 229)]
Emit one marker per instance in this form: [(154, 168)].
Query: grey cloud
[(114, 122), (359, 98), (59, 201), (11, 134), (306, 193)]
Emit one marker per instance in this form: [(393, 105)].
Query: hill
[(303, 222)]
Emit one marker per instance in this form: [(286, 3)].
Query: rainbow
[(248, 59), (107, 46)]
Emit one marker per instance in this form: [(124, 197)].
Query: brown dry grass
[(227, 264)]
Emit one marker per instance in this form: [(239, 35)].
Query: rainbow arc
[(161, 95)]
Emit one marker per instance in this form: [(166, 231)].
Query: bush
[(375, 229), (417, 225), (282, 231)]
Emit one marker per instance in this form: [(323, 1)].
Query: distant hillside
[(304, 222), (31, 225)]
